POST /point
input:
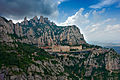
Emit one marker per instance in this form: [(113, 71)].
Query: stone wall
[(65, 48), (76, 47), (58, 48)]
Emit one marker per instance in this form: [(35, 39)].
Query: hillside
[(22, 59)]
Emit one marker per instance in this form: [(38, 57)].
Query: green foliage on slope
[(20, 55)]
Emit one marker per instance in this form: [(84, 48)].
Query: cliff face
[(40, 32)]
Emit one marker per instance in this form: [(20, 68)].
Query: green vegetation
[(90, 46), (73, 49), (20, 55), (54, 62)]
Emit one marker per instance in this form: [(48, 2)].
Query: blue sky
[(70, 7), (98, 20)]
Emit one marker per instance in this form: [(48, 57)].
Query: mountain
[(104, 43), (21, 56), (115, 46), (40, 32)]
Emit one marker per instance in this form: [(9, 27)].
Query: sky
[(98, 20)]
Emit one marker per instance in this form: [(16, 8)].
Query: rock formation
[(48, 31), (20, 59)]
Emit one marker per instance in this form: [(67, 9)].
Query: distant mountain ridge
[(115, 46), (104, 43), (40, 32)]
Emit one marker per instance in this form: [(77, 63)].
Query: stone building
[(64, 48), (76, 47), (58, 48)]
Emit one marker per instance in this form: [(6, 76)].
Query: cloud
[(98, 12), (104, 3), (103, 31), (77, 19), (113, 28), (94, 29), (81, 19), (60, 1), (17, 9), (97, 26), (94, 26)]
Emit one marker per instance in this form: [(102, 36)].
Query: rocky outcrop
[(42, 31), (40, 71), (18, 30), (112, 61), (35, 19), (41, 20), (25, 22)]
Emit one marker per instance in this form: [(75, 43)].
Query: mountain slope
[(26, 62), (20, 59)]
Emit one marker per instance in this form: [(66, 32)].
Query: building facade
[(59, 48)]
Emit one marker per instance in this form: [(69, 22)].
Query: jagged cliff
[(20, 59), (40, 32)]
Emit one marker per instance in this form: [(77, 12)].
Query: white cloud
[(60, 1), (103, 31), (113, 28), (87, 15), (107, 20), (98, 12), (16, 21), (104, 3), (95, 28), (78, 19), (92, 28)]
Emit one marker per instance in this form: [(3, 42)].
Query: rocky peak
[(10, 21), (25, 19), (36, 19), (25, 22), (11, 24), (41, 19), (3, 19), (52, 23), (46, 20), (48, 33)]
